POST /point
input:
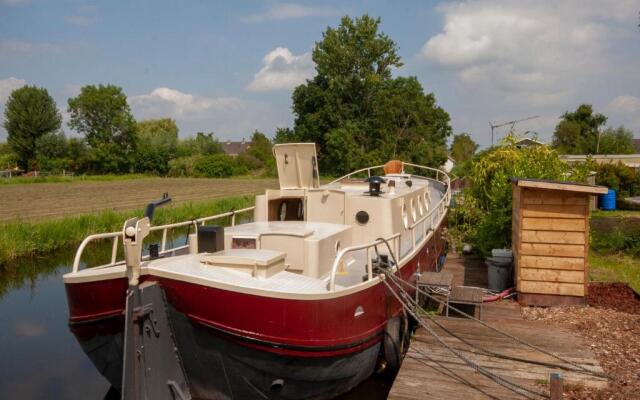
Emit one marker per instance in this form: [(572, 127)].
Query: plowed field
[(38, 201)]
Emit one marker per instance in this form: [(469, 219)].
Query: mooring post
[(555, 383)]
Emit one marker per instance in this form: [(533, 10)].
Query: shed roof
[(559, 185)]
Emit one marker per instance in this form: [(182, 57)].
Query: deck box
[(550, 236)]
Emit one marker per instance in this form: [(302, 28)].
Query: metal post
[(555, 386)]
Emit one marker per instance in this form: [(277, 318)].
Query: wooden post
[(555, 384)]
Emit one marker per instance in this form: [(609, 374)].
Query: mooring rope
[(506, 334), (514, 387)]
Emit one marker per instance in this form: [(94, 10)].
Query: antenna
[(512, 123)]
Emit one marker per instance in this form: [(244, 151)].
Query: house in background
[(235, 148), (448, 165), (527, 142)]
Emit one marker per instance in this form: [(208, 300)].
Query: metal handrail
[(163, 243), (439, 211)]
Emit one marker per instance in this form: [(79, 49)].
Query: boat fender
[(394, 343)]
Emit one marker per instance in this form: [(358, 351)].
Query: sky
[(230, 67)]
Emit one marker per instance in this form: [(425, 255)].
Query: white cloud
[(281, 11), (282, 70), (7, 86), (228, 117), (507, 59), (626, 110)]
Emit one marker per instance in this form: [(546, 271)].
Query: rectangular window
[(243, 243)]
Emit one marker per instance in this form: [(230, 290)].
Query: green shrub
[(625, 180), (183, 166), (484, 217), (216, 166)]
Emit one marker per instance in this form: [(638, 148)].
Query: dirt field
[(32, 202)]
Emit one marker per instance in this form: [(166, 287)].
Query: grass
[(18, 239), (616, 267)]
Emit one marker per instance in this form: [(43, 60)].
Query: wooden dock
[(430, 371)]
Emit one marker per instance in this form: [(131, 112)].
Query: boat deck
[(430, 371)]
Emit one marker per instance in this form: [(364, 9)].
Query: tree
[(30, 113), (101, 113), (285, 135), (157, 144), (52, 152), (354, 105), (617, 141), (579, 132), (463, 148), (260, 147), (201, 144)]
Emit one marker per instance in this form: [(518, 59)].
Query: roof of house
[(559, 185), (528, 142), (234, 148)]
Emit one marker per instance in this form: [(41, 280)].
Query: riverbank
[(20, 239)]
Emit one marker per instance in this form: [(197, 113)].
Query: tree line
[(356, 112)]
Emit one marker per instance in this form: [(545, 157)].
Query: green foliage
[(183, 166), (157, 144), (579, 131), (216, 166), (8, 159), (102, 114), (201, 144), (617, 141), (356, 112), (285, 135), (463, 148), (625, 180), (52, 152), (485, 212), (29, 114)]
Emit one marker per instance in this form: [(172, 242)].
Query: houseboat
[(285, 301)]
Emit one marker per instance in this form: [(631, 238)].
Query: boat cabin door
[(297, 165)]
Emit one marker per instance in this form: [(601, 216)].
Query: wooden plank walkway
[(430, 371)]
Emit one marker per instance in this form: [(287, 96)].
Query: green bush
[(484, 217), (216, 166), (625, 180), (183, 166)]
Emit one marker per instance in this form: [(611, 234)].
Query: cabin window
[(282, 211), (286, 209), (414, 215), (243, 243), (405, 216), (426, 201), (420, 206)]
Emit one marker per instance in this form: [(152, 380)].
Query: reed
[(19, 239)]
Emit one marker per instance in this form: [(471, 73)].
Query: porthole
[(337, 246), (413, 211), (405, 216), (362, 217), (300, 210)]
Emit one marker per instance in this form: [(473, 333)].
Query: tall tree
[(579, 132), (357, 112), (157, 144), (30, 113), (260, 147), (463, 147), (103, 115), (617, 141)]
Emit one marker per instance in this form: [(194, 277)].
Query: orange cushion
[(393, 167)]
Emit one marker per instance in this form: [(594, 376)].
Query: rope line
[(506, 334), (514, 387)]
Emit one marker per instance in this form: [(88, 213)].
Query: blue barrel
[(608, 201)]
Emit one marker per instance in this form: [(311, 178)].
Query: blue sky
[(229, 67)]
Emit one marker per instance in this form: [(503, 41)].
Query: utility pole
[(512, 123)]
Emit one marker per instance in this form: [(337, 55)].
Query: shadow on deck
[(431, 371)]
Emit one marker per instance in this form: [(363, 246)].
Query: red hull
[(306, 328)]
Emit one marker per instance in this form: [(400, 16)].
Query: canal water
[(39, 356)]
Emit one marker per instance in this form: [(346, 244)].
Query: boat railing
[(421, 226), (116, 238)]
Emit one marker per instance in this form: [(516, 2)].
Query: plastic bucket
[(608, 200), (499, 273)]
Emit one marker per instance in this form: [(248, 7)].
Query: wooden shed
[(550, 228)]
